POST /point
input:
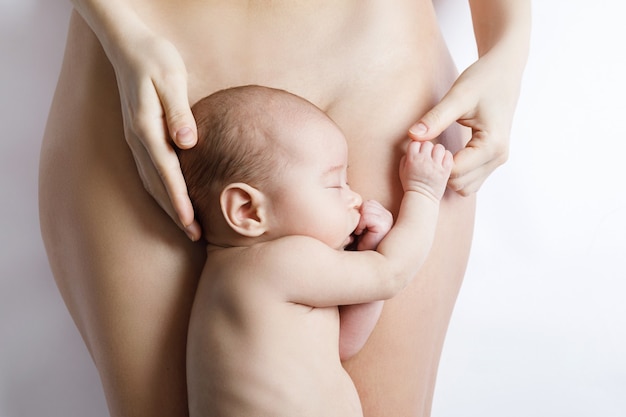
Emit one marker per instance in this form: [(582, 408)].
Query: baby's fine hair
[(237, 131)]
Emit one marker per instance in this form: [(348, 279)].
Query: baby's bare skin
[(264, 330)]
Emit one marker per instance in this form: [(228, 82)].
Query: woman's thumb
[(182, 126), (178, 116)]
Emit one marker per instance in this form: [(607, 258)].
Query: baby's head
[(251, 140)]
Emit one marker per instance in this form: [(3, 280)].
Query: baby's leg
[(356, 324)]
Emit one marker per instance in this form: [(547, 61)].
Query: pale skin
[(264, 330), (131, 70)]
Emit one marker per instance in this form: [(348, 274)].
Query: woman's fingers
[(168, 190), (475, 102), (474, 163), (452, 107), (159, 169), (165, 164), (180, 122)]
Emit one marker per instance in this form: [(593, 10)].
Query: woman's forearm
[(111, 20), (502, 27)]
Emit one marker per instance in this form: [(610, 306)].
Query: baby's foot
[(426, 168)]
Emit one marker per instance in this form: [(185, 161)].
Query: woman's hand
[(152, 82), (483, 98), (485, 95)]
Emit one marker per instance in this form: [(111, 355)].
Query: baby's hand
[(375, 222), (425, 169)]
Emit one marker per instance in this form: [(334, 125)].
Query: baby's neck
[(220, 243)]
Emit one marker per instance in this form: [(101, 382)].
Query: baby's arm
[(424, 172), (314, 274), (358, 320)]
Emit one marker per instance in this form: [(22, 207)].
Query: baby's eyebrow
[(334, 168)]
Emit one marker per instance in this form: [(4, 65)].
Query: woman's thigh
[(395, 372), (124, 269)]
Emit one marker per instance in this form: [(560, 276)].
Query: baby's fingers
[(375, 216)]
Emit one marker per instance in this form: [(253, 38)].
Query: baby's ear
[(243, 207)]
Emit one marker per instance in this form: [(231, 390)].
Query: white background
[(540, 325)]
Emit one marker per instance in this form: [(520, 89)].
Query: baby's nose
[(356, 200)]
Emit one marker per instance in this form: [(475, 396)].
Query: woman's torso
[(374, 66)]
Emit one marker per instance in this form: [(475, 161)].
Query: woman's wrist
[(502, 31), (113, 21)]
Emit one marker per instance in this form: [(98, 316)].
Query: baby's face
[(312, 197)]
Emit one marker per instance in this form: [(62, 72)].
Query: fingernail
[(419, 130), (184, 136), (193, 231)]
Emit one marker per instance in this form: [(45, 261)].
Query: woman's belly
[(374, 68)]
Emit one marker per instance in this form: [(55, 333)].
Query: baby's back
[(251, 353)]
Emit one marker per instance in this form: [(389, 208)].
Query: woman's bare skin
[(127, 272)]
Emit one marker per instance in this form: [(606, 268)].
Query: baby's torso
[(252, 354)]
